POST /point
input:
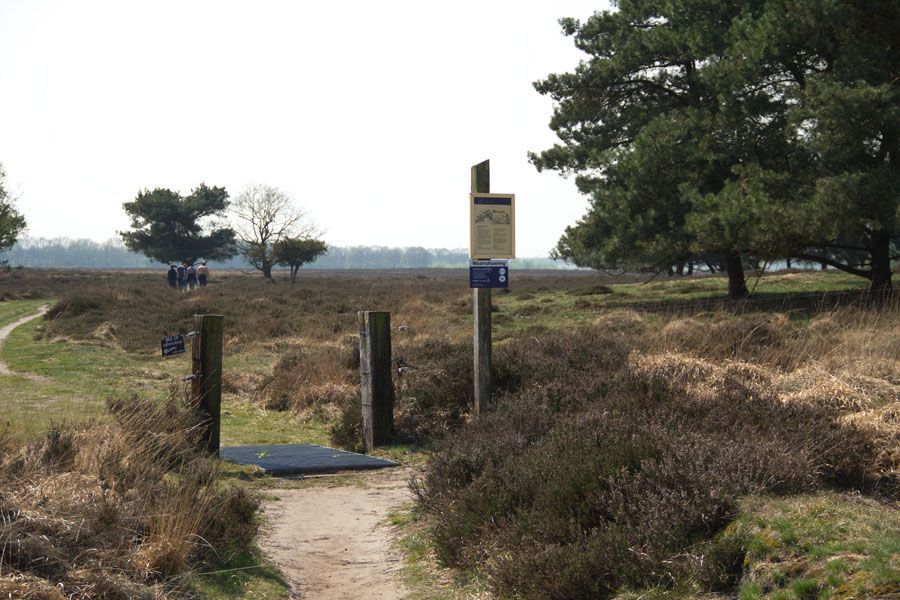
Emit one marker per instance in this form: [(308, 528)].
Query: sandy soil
[(334, 543), (5, 331)]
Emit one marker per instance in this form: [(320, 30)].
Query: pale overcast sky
[(368, 113)]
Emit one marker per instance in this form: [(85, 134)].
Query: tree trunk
[(737, 285), (690, 267), (788, 262), (880, 282), (294, 273), (679, 268), (267, 272)]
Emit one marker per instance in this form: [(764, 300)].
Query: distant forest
[(68, 253)]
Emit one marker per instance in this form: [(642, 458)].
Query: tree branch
[(837, 265)]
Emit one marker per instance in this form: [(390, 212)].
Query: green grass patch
[(71, 381), (245, 575), (560, 308), (244, 423), (409, 455), (68, 382), (819, 546), (13, 310), (424, 579)]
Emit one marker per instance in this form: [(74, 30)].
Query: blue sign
[(488, 274), (172, 344)]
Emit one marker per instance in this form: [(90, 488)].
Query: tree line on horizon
[(739, 130), (112, 254)]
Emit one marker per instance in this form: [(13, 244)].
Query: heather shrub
[(600, 468), (304, 379), (346, 431), (435, 394), (432, 395)]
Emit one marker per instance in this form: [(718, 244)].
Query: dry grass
[(846, 361), (121, 510)]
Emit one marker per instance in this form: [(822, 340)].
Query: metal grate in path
[(301, 459)]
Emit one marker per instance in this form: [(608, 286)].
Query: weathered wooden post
[(481, 306), (206, 388), (376, 383)]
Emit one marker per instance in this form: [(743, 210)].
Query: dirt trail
[(7, 329), (333, 543)]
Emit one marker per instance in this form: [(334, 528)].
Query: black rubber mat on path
[(300, 459)]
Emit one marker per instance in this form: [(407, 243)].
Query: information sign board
[(488, 274), (172, 344), (492, 219)]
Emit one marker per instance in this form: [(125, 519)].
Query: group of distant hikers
[(186, 277)]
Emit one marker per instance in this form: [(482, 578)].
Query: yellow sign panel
[(493, 225)]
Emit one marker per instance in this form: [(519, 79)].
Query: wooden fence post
[(376, 383), (481, 307), (206, 388)]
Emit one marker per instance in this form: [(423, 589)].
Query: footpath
[(334, 542), (7, 329)]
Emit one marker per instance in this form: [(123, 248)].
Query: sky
[(368, 114)]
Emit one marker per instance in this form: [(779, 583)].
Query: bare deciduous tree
[(264, 215)]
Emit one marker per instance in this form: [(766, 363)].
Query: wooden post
[(206, 388), (481, 306), (376, 383)]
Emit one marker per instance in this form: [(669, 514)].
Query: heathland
[(646, 438)]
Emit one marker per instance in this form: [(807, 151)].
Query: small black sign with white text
[(172, 344)]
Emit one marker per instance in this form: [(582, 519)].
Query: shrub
[(346, 432), (432, 396), (303, 379), (597, 472)]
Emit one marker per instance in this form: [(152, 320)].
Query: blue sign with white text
[(488, 274), (172, 344)]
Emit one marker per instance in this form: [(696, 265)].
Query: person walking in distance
[(202, 273), (172, 277), (182, 276), (191, 277)]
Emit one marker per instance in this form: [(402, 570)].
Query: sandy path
[(333, 543), (6, 330)]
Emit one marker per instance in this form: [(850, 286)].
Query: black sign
[(488, 274), (172, 344)]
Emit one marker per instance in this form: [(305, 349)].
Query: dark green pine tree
[(168, 227), (836, 68), (736, 128)]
